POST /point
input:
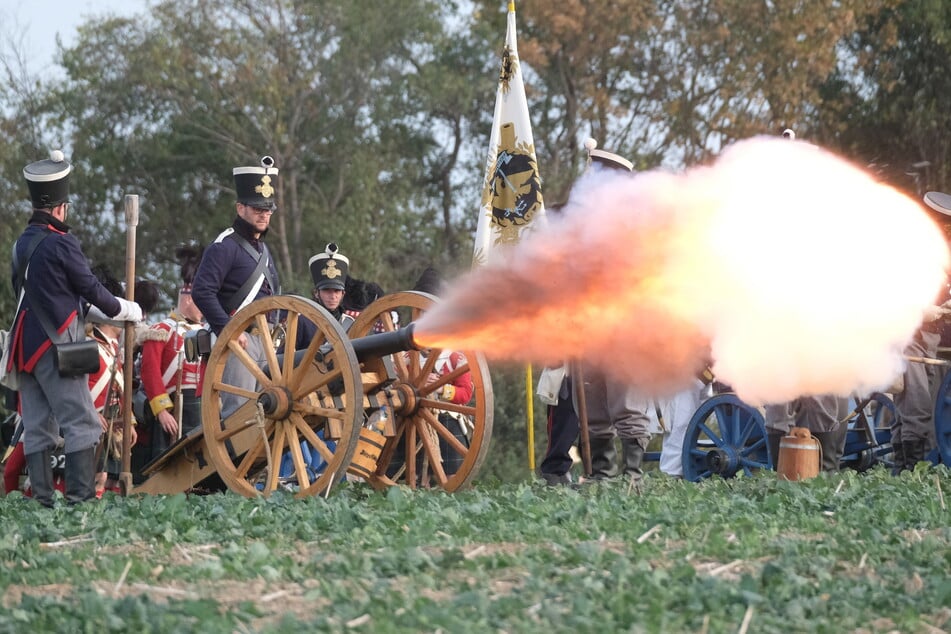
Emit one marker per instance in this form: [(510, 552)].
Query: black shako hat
[(330, 268), (604, 159), (430, 281), (256, 186), (48, 180)]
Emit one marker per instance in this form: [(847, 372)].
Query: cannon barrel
[(366, 348), (385, 343), (376, 346)]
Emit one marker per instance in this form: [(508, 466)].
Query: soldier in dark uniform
[(57, 279), (330, 270), (237, 268)]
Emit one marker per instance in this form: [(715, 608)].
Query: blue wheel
[(870, 433), (942, 420), (725, 436)]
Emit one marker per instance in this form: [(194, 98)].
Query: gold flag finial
[(511, 6)]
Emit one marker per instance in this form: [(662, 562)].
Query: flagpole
[(530, 409), (529, 398)]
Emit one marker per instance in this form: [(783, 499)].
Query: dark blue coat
[(224, 268), (58, 280)]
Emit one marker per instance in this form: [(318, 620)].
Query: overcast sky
[(32, 25)]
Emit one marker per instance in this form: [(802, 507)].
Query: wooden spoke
[(300, 371), (274, 464), (444, 433), (388, 324), (409, 459), (248, 362), (234, 389), (297, 457), (399, 363), (432, 452), (311, 436), (446, 406), (423, 375), (239, 421), (268, 344), (414, 363), (250, 458), (290, 343), (443, 380), (315, 380)]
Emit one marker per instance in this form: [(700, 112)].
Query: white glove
[(128, 311)]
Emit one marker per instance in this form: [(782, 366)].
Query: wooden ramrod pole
[(131, 220), (584, 439)]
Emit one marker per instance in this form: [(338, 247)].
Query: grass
[(843, 553)]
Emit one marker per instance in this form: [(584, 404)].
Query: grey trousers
[(915, 404), (614, 407), (816, 413), (53, 406), (235, 373)]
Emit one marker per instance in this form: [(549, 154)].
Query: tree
[(892, 102), (335, 91)]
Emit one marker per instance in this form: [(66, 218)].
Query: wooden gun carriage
[(322, 395)]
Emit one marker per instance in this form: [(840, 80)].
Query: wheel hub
[(276, 402), (722, 462), (405, 399)]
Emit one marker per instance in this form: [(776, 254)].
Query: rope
[(258, 421)]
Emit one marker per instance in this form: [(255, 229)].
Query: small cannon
[(319, 399)]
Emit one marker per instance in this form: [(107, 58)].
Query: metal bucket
[(799, 455), (368, 452)]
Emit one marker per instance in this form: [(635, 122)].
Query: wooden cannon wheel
[(421, 426), (292, 402)]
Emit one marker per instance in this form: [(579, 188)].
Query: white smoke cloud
[(790, 269)]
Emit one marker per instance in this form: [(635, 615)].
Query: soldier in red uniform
[(171, 383)]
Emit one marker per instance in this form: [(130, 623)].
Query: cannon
[(725, 436), (320, 397)]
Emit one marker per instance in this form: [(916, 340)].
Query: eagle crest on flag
[(513, 189)]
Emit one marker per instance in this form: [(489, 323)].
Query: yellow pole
[(530, 407)]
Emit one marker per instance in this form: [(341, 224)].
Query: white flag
[(511, 191)]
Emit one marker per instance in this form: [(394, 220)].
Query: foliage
[(378, 114), (836, 553), (889, 108)]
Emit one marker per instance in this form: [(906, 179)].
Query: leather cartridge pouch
[(198, 344), (77, 357)]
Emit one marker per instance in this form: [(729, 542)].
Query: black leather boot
[(914, 453), (898, 458), (81, 476), (603, 458), (632, 455), (833, 444), (40, 468)]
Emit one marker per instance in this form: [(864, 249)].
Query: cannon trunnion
[(299, 427)]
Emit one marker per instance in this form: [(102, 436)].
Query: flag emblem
[(514, 190)]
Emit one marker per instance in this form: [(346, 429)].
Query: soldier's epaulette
[(152, 334)]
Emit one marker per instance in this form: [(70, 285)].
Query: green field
[(843, 553)]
